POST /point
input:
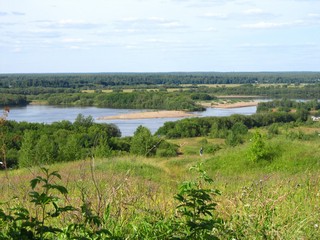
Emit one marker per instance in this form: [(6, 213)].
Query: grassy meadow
[(278, 198)]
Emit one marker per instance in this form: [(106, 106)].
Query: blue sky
[(159, 35)]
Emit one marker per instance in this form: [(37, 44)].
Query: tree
[(45, 150), (142, 142), (259, 150), (27, 152), (83, 121)]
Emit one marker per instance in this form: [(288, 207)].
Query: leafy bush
[(258, 149), (166, 149), (142, 142), (196, 208)]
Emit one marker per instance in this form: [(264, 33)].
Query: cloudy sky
[(159, 35)]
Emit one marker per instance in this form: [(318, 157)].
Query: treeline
[(311, 91), (133, 100), (103, 80), (13, 100), (221, 126), (32, 144), (36, 90), (286, 105)]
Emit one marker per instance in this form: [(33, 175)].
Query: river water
[(49, 114)]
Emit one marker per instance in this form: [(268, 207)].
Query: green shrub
[(196, 210), (258, 149), (166, 149)]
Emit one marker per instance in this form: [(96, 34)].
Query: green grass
[(275, 199)]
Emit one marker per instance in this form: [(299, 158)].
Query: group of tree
[(226, 127), (131, 100), (13, 100), (287, 105), (102, 80), (32, 144), (309, 91)]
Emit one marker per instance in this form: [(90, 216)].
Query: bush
[(142, 142), (259, 150), (166, 149)]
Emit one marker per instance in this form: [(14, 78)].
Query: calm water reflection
[(49, 114)]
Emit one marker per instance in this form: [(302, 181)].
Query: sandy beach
[(153, 114), (176, 114), (230, 105), (236, 104)]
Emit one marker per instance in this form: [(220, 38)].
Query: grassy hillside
[(272, 198)]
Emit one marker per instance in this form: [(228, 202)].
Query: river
[(49, 114)]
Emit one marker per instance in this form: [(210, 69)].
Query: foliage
[(221, 126), (101, 80), (132, 100), (32, 144), (259, 150), (196, 208), (131, 196), (166, 149), (13, 100), (286, 105), (20, 224), (196, 217), (142, 142)]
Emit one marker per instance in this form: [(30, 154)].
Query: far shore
[(152, 114)]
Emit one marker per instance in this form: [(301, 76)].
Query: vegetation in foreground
[(266, 186)]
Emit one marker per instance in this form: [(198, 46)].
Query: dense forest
[(171, 91), (102, 80)]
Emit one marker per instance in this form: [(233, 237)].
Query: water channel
[(49, 114)]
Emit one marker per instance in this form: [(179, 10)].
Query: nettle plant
[(196, 208)]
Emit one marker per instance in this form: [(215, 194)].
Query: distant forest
[(171, 91), (102, 80)]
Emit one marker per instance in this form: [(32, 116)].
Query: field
[(276, 198)]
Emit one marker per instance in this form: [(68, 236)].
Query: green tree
[(142, 142), (45, 150), (102, 149), (259, 150), (27, 153), (71, 150), (82, 121)]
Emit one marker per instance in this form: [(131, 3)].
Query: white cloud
[(72, 40), (67, 24), (215, 15), (146, 25), (314, 15), (271, 25), (18, 13), (253, 11), (17, 50)]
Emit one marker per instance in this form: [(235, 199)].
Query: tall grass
[(277, 199)]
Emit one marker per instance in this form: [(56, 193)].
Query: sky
[(54, 36)]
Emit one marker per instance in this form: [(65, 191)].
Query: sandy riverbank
[(230, 105), (145, 115)]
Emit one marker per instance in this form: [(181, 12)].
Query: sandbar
[(231, 105), (146, 115)]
